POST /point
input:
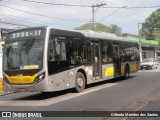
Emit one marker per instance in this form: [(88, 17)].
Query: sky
[(16, 14)]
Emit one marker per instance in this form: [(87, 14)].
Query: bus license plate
[(22, 90)]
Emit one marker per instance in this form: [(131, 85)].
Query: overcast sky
[(71, 17)]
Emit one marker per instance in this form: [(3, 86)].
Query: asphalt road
[(115, 95)]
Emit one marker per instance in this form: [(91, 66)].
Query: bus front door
[(96, 60), (116, 59)]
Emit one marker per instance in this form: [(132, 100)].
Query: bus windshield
[(23, 54)]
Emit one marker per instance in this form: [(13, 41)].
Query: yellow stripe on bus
[(133, 67), (21, 79), (1, 86), (109, 71), (122, 69)]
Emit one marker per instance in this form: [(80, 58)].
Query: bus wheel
[(80, 82), (126, 72)]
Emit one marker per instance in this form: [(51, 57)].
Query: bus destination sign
[(22, 34)]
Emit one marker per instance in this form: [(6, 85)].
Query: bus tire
[(126, 72), (80, 82)]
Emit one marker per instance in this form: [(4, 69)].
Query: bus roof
[(86, 33), (99, 35), (103, 35), (27, 28)]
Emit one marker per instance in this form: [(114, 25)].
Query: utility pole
[(93, 13), (139, 36)]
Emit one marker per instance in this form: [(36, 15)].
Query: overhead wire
[(41, 14), (13, 24), (22, 18), (109, 15), (85, 6), (70, 5), (24, 21), (74, 5), (3, 3)]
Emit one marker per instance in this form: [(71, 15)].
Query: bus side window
[(60, 51), (106, 52), (78, 58), (50, 51), (57, 50), (63, 51), (77, 51)]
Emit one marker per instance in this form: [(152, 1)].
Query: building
[(148, 48)]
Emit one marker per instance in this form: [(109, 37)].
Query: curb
[(6, 93)]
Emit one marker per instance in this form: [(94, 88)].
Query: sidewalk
[(152, 106)]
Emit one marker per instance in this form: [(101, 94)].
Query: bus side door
[(116, 59), (96, 60)]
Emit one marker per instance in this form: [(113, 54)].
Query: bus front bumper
[(41, 86)]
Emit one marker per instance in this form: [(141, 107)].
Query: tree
[(116, 30), (101, 28), (157, 35), (151, 23)]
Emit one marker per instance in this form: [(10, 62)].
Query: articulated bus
[(48, 59)]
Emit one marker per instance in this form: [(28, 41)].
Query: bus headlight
[(40, 78)]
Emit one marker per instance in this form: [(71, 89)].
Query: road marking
[(54, 100), (97, 88), (89, 91)]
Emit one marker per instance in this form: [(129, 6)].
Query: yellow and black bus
[(50, 59)]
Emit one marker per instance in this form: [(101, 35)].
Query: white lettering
[(34, 115), (152, 115), (19, 114), (142, 114), (35, 32), (39, 33), (22, 34), (14, 35), (117, 114), (133, 115), (18, 35), (26, 34)]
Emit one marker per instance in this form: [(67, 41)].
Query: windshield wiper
[(29, 43)]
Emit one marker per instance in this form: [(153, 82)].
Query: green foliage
[(101, 28), (87, 26), (151, 27), (157, 36), (151, 23), (116, 30)]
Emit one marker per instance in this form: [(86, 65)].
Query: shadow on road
[(47, 95), (110, 81)]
